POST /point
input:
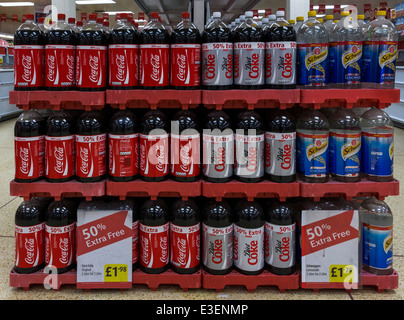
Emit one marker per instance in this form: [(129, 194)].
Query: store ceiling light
[(16, 4), (327, 7), (112, 13), (6, 36), (84, 2)]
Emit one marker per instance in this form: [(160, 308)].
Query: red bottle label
[(154, 65), (185, 155), (185, 65), (91, 155), (60, 66), (185, 246), (123, 155), (60, 246), (154, 246), (30, 246), (154, 158), (29, 157), (91, 66), (29, 66), (60, 157), (135, 242), (123, 65)]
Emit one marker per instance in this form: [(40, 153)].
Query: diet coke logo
[(156, 65), (120, 64), (94, 63), (181, 62), (27, 65)]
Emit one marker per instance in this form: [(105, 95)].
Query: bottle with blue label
[(345, 146), (380, 53), (346, 47), (312, 57), (377, 234), (312, 147), (377, 145)]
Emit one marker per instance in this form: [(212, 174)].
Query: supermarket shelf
[(87, 100), (43, 188), (140, 188), (250, 99), (153, 99)]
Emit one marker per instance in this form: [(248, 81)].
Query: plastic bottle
[(249, 55), (329, 22), (29, 56), (91, 147), (72, 24), (123, 52), (249, 147), (41, 24), (217, 237), (362, 24), (60, 153), (380, 53), (312, 147), (299, 22), (185, 147), (91, 57), (377, 145), (154, 55), (280, 147), (185, 52), (217, 55), (377, 232), (312, 59), (154, 146), (217, 147), (123, 139), (154, 236), (185, 237), (249, 237), (345, 146), (29, 146), (135, 235)]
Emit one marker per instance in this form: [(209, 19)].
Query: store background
[(170, 11)]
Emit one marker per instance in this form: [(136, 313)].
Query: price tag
[(342, 273), (115, 273)]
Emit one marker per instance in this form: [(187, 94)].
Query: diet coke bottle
[(185, 237), (29, 56), (154, 236)]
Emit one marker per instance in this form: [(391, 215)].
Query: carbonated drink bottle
[(329, 22), (299, 22)]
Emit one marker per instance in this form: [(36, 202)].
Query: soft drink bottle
[(29, 146), (41, 24), (329, 22), (72, 24), (154, 55), (185, 54), (249, 55), (123, 52), (312, 59), (362, 24), (217, 55), (29, 56), (299, 22), (91, 57)]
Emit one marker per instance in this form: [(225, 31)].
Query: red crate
[(348, 98), (251, 282), (263, 189), (140, 188), (43, 188), (57, 100), (250, 99), (153, 99)]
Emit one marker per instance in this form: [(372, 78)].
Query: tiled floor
[(8, 206)]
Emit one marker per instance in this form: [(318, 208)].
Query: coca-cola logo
[(145, 250), (182, 251), (286, 156), (286, 65), (51, 63), (267, 154), (220, 159), (94, 63), (24, 156), (70, 61), (181, 63), (164, 249), (160, 155), (185, 157), (253, 64), (64, 250), (268, 65), (216, 250), (210, 67), (156, 65), (251, 251), (143, 156), (59, 155), (236, 65), (283, 248), (229, 66), (27, 64), (252, 159), (121, 65), (84, 156), (30, 251)]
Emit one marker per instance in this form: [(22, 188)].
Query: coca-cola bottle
[(249, 237), (249, 55), (72, 24), (154, 146), (185, 147), (217, 237), (91, 147), (91, 57), (123, 55), (217, 55), (60, 235), (154, 55), (60, 154), (280, 147), (218, 147), (185, 55), (249, 147), (185, 237), (29, 56), (29, 146), (30, 235), (60, 53), (154, 236), (123, 140)]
